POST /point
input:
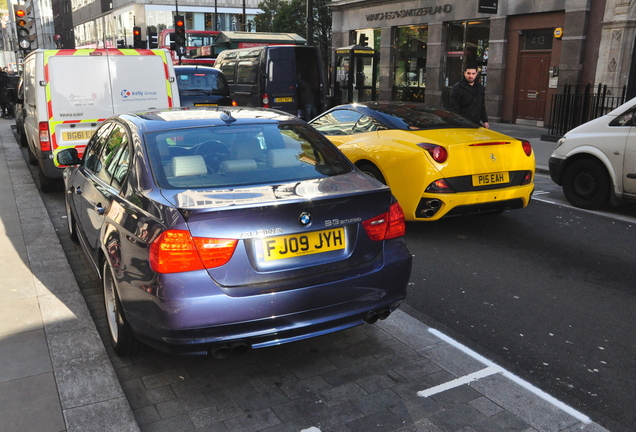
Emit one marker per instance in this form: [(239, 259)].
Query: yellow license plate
[(206, 104), (491, 178), (295, 245), (284, 99), (78, 135)]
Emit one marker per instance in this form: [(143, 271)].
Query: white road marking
[(490, 367), (459, 381)]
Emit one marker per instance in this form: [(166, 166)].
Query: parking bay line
[(491, 369)]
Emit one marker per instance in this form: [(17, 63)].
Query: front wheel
[(121, 336), (586, 184)]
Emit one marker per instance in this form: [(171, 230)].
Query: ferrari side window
[(367, 124), (337, 122)]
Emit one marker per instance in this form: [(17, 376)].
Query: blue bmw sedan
[(223, 229)]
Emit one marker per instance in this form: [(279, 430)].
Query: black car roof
[(175, 118)]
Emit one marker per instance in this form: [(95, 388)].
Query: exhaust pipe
[(371, 317), (434, 203), (384, 314), (429, 213), (239, 347), (220, 351)]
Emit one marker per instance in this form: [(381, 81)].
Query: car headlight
[(560, 142)]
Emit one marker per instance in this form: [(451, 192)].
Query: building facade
[(525, 50), (99, 23)]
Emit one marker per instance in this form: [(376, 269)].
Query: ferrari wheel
[(372, 171)]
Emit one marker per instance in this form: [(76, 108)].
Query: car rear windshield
[(422, 117), (239, 155), (201, 80)]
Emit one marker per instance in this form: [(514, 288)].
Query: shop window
[(410, 63), (466, 43)]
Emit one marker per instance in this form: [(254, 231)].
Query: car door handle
[(78, 190), (99, 209)]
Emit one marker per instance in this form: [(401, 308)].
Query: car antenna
[(226, 116)]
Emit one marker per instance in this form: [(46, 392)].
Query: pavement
[(398, 375)]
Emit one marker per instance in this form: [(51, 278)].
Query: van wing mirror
[(68, 157)]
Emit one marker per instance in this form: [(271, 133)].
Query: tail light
[(387, 225), (266, 101), (438, 153), (440, 186), (528, 178), (177, 251), (527, 147), (45, 137)]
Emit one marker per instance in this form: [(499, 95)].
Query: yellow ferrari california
[(437, 163)]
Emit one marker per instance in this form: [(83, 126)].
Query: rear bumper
[(454, 204), (201, 316)]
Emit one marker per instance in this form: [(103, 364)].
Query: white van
[(68, 93)]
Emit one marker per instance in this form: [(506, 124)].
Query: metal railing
[(574, 107)]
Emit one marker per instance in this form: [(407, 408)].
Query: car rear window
[(421, 117), (201, 81), (240, 155)]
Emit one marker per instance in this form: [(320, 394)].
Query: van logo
[(125, 93)]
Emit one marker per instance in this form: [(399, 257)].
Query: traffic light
[(121, 43), (22, 27), (137, 43), (364, 40), (153, 40), (179, 35)]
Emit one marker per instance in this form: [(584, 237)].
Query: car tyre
[(372, 171), (33, 160), (121, 335), (23, 139), (70, 220), (586, 184)]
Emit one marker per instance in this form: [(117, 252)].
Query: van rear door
[(78, 95), (281, 79), (141, 82)]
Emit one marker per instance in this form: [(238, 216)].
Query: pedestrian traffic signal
[(179, 35), (137, 43), (22, 25)]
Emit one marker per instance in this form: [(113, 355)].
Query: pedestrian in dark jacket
[(468, 98)]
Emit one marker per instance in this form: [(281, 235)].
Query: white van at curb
[(69, 93)]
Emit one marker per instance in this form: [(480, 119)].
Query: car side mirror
[(68, 157)]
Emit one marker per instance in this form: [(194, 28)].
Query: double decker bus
[(194, 39)]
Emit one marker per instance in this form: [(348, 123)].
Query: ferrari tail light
[(45, 136), (387, 225), (439, 186), (527, 147), (528, 178), (177, 251), (266, 100), (437, 152)]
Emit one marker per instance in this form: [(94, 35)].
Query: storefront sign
[(487, 6), (404, 13)]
